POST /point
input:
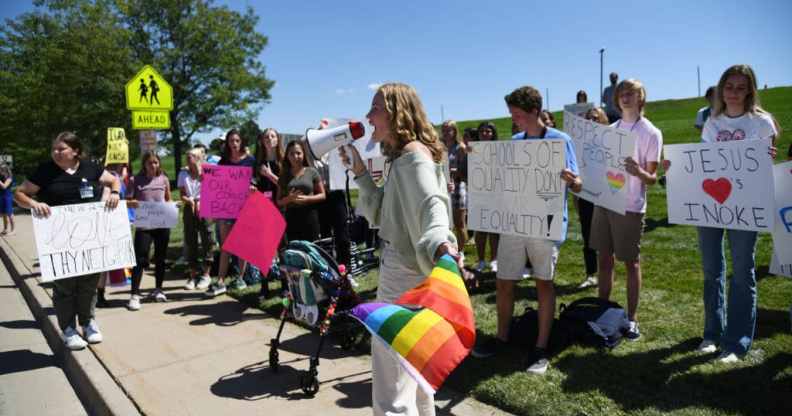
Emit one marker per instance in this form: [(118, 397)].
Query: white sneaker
[(494, 266), (73, 340), (189, 284), (707, 347), (589, 281), (481, 265), (539, 367), (134, 303), (527, 273), (203, 282), (728, 358), (91, 332), (159, 296)]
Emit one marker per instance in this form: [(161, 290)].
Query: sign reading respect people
[(82, 239), (152, 215), (600, 151), (224, 190), (722, 185), (782, 233), (515, 187)]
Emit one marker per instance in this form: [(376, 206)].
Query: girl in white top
[(736, 116)]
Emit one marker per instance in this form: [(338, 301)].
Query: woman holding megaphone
[(411, 211)]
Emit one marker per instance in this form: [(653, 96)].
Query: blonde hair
[(408, 121), (631, 84), (752, 104), (599, 115), (457, 137), (200, 157)]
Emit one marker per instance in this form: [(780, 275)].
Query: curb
[(97, 389)]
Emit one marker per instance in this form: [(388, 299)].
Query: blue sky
[(466, 55)]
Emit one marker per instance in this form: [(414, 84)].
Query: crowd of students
[(411, 211)]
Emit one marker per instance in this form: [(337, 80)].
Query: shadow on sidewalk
[(20, 324), (225, 313), (24, 360), (257, 382)]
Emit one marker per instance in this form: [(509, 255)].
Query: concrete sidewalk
[(195, 356)]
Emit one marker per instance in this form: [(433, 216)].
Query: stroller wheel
[(273, 360), (348, 340), (309, 384)]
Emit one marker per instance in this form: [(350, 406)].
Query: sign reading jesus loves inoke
[(515, 187), (721, 185)]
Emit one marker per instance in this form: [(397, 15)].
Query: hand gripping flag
[(433, 339)]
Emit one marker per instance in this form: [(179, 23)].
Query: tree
[(62, 69), (208, 54)]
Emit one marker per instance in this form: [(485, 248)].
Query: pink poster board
[(257, 232), (224, 190)]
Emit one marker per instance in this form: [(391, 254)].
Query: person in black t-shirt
[(65, 180), (300, 188)]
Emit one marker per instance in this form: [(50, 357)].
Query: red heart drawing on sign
[(718, 189)]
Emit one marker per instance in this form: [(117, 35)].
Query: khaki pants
[(394, 391)]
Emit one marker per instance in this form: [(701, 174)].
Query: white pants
[(394, 392)]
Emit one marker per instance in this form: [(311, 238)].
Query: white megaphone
[(320, 142)]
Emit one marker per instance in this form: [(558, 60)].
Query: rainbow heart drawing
[(615, 181)]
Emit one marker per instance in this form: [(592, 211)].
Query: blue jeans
[(730, 325)]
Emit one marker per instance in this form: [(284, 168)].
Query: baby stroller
[(317, 289)]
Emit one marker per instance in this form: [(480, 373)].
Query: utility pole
[(547, 95), (602, 57), (442, 114), (698, 74)]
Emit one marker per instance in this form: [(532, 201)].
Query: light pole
[(602, 56)]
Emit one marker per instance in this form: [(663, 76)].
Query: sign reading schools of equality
[(224, 190), (152, 215), (782, 233), (515, 187), (721, 185), (81, 239), (117, 146), (600, 151)]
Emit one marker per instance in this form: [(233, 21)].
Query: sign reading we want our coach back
[(82, 239), (721, 185), (515, 187)]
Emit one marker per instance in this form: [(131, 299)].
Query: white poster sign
[(721, 185), (7, 160), (600, 151), (579, 110), (369, 152), (152, 215), (782, 233), (83, 238), (515, 187), (148, 140)]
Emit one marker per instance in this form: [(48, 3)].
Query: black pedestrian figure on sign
[(154, 89), (143, 91)]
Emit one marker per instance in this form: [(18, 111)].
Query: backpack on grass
[(593, 321)]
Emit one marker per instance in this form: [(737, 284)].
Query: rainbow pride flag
[(430, 328)]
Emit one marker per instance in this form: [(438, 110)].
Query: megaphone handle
[(349, 152)]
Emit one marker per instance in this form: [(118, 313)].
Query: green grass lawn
[(661, 373)]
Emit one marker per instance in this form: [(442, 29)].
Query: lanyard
[(633, 126)]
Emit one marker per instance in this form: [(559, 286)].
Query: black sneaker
[(633, 333), (488, 348), (538, 362)]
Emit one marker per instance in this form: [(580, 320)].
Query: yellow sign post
[(150, 98), (117, 146)]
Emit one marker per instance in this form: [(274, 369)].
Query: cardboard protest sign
[(579, 110), (257, 232), (224, 190), (782, 233), (600, 151), (152, 215), (515, 187), (117, 146), (721, 185), (82, 239), (369, 152)]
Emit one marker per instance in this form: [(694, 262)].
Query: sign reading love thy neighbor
[(82, 239), (782, 233), (224, 190), (152, 215), (601, 151), (515, 187), (257, 233), (721, 185), (117, 146)]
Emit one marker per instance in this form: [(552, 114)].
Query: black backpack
[(592, 321)]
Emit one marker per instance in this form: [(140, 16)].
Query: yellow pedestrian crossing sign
[(147, 90)]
